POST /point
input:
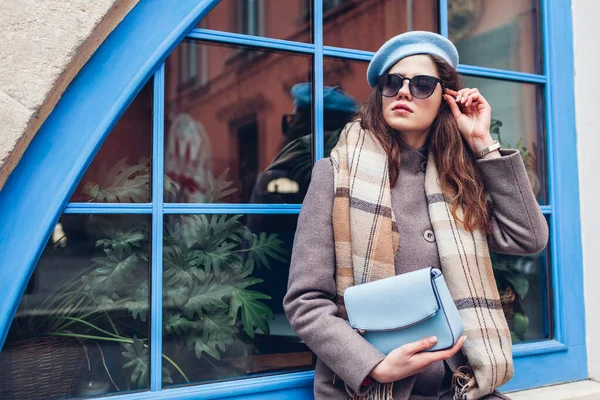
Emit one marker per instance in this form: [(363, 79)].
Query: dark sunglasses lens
[(391, 85), (422, 86)]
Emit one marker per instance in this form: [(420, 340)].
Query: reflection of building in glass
[(188, 159), (240, 94), (247, 91)]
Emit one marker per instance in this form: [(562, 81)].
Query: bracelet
[(489, 149)]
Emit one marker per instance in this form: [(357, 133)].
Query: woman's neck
[(414, 140)]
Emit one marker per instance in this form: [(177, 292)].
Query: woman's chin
[(402, 126)]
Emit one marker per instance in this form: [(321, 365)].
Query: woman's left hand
[(473, 115)]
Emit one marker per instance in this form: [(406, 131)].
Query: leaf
[(197, 343), (220, 187), (124, 241), (254, 313), (173, 235), (175, 296), (215, 189), (198, 273), (520, 323), (176, 267), (106, 303), (519, 282), (211, 259), (217, 333), (495, 126), (209, 232), (113, 270), (218, 330), (514, 338), (499, 265), (166, 375), (222, 227), (248, 281), (195, 231), (139, 307), (205, 298), (137, 355), (264, 247), (121, 184), (170, 185), (177, 324)]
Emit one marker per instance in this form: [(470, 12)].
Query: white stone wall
[(586, 31), (43, 44)]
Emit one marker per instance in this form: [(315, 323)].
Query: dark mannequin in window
[(286, 180)]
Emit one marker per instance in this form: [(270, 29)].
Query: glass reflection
[(366, 25), (120, 171), (224, 283), (517, 113), (224, 131), (524, 284), (287, 178), (348, 76), (517, 123), (81, 328), (497, 34), (288, 20)]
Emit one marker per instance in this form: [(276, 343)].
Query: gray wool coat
[(518, 228)]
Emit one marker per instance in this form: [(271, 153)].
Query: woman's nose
[(404, 90)]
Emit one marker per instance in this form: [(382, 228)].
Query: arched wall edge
[(38, 189)]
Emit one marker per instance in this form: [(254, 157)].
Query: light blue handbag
[(405, 308)]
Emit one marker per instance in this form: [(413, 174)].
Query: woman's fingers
[(420, 345), (433, 356), (472, 98), (411, 359), (451, 92), (465, 96), (453, 106), (461, 95)]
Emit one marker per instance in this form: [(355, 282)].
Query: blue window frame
[(64, 147)]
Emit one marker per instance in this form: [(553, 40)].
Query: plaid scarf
[(367, 237)]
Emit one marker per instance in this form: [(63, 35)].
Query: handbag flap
[(392, 303)]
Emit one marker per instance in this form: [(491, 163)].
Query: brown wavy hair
[(453, 157)]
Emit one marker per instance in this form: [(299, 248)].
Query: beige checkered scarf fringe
[(367, 238)]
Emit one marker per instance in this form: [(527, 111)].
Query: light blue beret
[(409, 44), (333, 98)]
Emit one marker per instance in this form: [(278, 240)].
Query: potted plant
[(209, 308)]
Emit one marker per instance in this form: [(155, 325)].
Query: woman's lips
[(402, 109)]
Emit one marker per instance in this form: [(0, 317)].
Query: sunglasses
[(420, 86)]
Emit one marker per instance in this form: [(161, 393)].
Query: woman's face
[(422, 112)]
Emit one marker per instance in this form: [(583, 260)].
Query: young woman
[(417, 181)]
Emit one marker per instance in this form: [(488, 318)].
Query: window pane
[(242, 137), (518, 123), (524, 283), (366, 25), (345, 83), (82, 325), (225, 277), (120, 171), (517, 109), (288, 20), (497, 34)]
